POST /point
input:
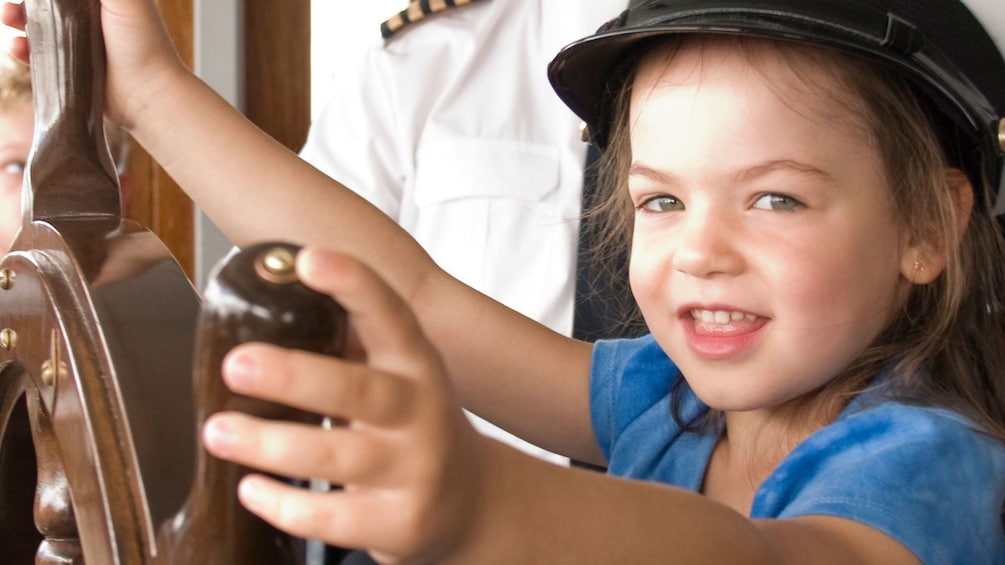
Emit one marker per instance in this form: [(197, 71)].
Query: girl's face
[(766, 252), (16, 127)]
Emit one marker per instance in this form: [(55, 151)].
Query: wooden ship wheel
[(109, 362)]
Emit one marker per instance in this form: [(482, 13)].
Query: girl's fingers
[(297, 511), (13, 15), (18, 48), (319, 384), (382, 320), (402, 422), (399, 359), (340, 455), (350, 519)]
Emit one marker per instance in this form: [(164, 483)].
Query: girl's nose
[(707, 245)]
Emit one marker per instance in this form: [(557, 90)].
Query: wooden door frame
[(276, 98), (277, 66)]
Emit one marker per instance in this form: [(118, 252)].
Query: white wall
[(218, 37)]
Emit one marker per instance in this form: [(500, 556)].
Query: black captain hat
[(941, 46)]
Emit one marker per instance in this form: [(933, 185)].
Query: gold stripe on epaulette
[(416, 11)]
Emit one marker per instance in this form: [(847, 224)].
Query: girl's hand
[(411, 465), (13, 15), (140, 55)]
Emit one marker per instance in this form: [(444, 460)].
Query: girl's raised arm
[(255, 189)]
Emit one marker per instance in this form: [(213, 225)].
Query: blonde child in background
[(17, 127), (809, 189), (17, 123)]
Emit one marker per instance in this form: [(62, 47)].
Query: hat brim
[(581, 72)]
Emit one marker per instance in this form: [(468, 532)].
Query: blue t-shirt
[(925, 476)]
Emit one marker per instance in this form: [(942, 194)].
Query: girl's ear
[(927, 255)]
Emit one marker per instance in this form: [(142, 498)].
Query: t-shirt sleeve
[(630, 395), (610, 403), (922, 476)]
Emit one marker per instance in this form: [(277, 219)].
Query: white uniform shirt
[(452, 129)]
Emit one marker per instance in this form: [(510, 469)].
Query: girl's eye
[(777, 202), (13, 167), (662, 203)]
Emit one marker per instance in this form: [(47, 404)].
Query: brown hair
[(15, 81), (946, 348)]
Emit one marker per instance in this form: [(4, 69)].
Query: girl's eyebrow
[(662, 177), (762, 169), (745, 174)]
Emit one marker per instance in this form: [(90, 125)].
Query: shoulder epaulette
[(417, 10)]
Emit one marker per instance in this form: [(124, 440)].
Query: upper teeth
[(721, 316)]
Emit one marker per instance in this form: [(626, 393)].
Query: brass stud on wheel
[(6, 279), (8, 339), (277, 265), (48, 373)]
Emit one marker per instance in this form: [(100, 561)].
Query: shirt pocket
[(485, 212), (458, 169)]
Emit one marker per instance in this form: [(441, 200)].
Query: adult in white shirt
[(451, 127)]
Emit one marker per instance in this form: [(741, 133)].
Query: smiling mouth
[(722, 334), (721, 316), (723, 323)]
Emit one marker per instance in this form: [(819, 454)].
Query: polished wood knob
[(253, 296)]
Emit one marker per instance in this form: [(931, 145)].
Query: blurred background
[(270, 59)]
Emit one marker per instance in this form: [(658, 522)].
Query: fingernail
[(218, 436), (314, 263), (240, 371), (250, 492)]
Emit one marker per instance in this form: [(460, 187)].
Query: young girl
[(810, 189)]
